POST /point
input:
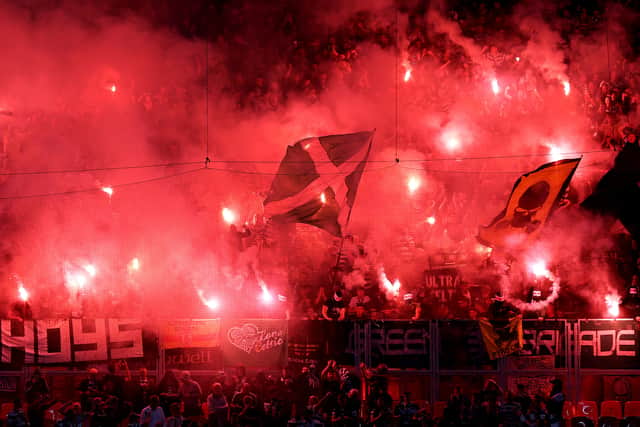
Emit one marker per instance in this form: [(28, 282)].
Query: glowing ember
[(413, 183), (91, 269), (23, 293), (229, 216), (431, 220), (567, 87), (539, 269), (108, 190), (613, 304), (495, 87), (323, 198), (134, 264), (391, 288), (407, 75)]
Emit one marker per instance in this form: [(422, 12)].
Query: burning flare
[(612, 301), (413, 183), (212, 303), (76, 280), (431, 220), (323, 198), (391, 288), (265, 296), (495, 87), (557, 152), (108, 190), (23, 294), (134, 265), (407, 74), (566, 86), (91, 269), (229, 216), (539, 269)]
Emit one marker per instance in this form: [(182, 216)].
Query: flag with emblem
[(534, 197), (318, 179), (502, 338)]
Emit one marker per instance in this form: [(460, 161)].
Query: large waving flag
[(318, 179), (618, 193), (534, 197)]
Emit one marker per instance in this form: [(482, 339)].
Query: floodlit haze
[(92, 89)]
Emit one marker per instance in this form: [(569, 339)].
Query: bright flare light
[(134, 264), (557, 152), (431, 220), (113, 88), (566, 87), (91, 269), (265, 295), (391, 288), (613, 304), (23, 293), (413, 183), (495, 87), (212, 303), (539, 269), (228, 216), (323, 198), (451, 139), (76, 280), (517, 59), (407, 74), (108, 190), (452, 142)]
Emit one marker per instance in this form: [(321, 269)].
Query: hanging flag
[(318, 179), (534, 197), (617, 194), (501, 338)]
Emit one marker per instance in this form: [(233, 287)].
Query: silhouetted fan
[(630, 422), (608, 422), (581, 422)]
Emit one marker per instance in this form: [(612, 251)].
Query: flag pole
[(346, 223)]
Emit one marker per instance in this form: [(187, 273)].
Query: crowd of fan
[(333, 396)]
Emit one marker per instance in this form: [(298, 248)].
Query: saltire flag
[(502, 338), (534, 197), (318, 179), (617, 194)]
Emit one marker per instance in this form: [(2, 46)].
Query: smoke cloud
[(93, 89)]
